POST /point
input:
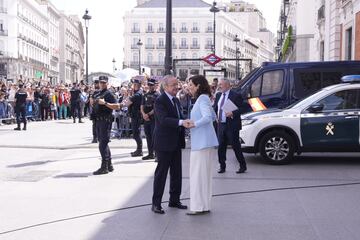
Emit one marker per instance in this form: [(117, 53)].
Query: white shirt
[(223, 117)]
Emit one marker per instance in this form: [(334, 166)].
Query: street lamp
[(237, 40), (139, 44), (168, 42), (87, 18), (214, 10)]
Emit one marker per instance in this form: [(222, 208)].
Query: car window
[(306, 83), (343, 100), (256, 87), (272, 82), (269, 83)]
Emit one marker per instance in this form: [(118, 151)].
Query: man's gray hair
[(166, 79), (226, 80)]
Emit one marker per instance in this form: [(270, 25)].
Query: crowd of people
[(46, 102)]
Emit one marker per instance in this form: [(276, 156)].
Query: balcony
[(3, 32), (184, 46), (135, 30), (3, 10), (161, 30), (195, 46), (209, 30), (160, 46), (195, 30), (134, 46), (149, 46), (149, 30), (183, 30)]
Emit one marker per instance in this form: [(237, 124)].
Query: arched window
[(161, 58), (149, 58)]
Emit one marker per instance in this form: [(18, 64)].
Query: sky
[(106, 26)]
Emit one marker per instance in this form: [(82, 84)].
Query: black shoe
[(148, 157), (74, 120), (110, 166), (17, 129), (178, 205), (241, 170), (103, 169), (24, 128), (157, 209), (94, 141), (221, 170), (137, 153), (81, 121)]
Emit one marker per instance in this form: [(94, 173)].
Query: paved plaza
[(47, 192)]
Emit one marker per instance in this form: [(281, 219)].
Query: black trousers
[(149, 127), (20, 114), (228, 136), (44, 112), (135, 127), (167, 160), (103, 129), (94, 129), (75, 110)]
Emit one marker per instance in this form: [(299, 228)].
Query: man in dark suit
[(229, 125), (169, 139)]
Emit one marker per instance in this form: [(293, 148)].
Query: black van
[(278, 85)]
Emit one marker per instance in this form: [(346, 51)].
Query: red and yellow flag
[(256, 104)]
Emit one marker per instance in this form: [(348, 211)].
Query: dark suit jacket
[(168, 136), (235, 122)]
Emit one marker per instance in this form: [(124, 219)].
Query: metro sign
[(212, 59)]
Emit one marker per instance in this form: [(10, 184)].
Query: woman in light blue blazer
[(203, 146)]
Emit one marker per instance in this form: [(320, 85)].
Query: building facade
[(322, 30), (71, 49), (193, 32), (30, 42)]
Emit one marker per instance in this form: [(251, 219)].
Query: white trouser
[(201, 179)]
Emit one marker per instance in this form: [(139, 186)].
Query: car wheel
[(277, 147)]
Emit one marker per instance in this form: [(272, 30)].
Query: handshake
[(188, 123)]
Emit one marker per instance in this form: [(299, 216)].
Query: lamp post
[(87, 18), (168, 43), (237, 40), (214, 10), (139, 44)]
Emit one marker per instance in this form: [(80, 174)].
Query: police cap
[(151, 82), (103, 79)]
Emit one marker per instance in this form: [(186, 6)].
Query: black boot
[(103, 169), (137, 153), (110, 166), (148, 157), (74, 120), (18, 127), (94, 140), (24, 128)]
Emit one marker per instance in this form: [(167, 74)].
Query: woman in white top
[(203, 146)]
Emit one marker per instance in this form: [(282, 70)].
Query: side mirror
[(316, 108)]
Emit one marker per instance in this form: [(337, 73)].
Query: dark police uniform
[(104, 119), (148, 102), (135, 115), (75, 103), (20, 108), (94, 95)]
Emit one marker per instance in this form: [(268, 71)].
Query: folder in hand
[(229, 106)]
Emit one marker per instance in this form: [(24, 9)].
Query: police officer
[(94, 95), (20, 106), (75, 102), (103, 105), (147, 111), (134, 104)]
